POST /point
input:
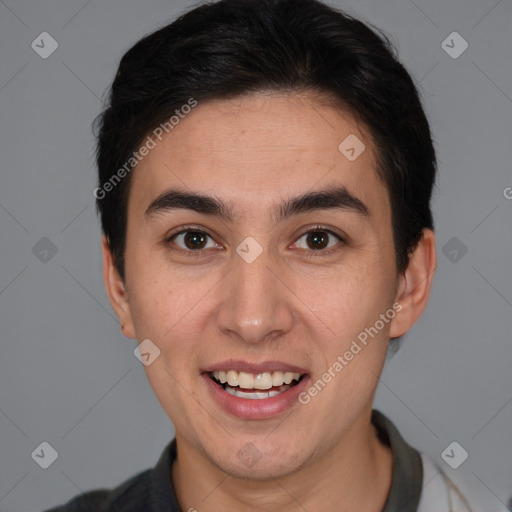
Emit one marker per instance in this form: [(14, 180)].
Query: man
[(265, 172)]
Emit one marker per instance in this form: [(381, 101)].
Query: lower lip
[(248, 409)]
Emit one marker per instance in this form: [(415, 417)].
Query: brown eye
[(192, 240), (317, 240)]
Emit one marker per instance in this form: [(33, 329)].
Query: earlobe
[(116, 291), (415, 284)]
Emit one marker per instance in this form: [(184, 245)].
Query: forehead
[(254, 149)]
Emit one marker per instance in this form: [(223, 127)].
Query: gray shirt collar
[(407, 478)]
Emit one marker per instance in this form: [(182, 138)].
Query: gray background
[(69, 377)]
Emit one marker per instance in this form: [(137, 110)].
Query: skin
[(254, 152)]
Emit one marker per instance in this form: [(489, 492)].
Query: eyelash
[(309, 253)]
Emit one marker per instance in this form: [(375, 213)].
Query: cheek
[(171, 309), (353, 298), (159, 313), (351, 308), (157, 298)]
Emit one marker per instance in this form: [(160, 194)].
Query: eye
[(318, 240), (191, 239)]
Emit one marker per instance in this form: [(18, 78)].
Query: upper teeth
[(260, 381)]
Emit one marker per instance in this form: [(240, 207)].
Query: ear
[(116, 290), (414, 285)]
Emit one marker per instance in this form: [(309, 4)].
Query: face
[(256, 283)]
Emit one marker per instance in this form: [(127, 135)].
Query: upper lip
[(248, 367)]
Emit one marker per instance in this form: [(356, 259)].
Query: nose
[(256, 304)]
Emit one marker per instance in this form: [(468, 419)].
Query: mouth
[(255, 391), (258, 386)]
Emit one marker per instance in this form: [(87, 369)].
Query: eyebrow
[(329, 198)]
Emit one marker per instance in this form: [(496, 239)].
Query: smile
[(255, 390), (255, 386)]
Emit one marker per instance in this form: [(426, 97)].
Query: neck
[(338, 481)]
